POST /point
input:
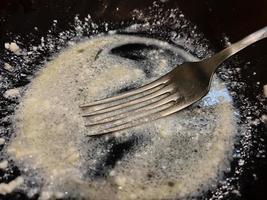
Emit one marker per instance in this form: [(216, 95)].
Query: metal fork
[(178, 89)]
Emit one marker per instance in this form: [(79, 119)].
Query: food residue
[(170, 158)]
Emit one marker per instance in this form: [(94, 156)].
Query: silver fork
[(176, 90)]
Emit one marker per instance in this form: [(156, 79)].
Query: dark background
[(215, 18)]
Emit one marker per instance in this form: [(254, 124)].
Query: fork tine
[(160, 81), (179, 105), (128, 119), (162, 91), (139, 121), (126, 110), (94, 108), (127, 124), (147, 108)]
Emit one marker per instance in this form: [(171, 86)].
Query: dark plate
[(216, 19)]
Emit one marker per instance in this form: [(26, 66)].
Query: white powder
[(172, 158)]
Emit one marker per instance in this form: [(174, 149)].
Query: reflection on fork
[(176, 90)]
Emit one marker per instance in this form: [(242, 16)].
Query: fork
[(176, 90)]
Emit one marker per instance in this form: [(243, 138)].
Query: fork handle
[(221, 56)]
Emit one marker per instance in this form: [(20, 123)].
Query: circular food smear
[(176, 156)]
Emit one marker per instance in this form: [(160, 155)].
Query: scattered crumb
[(120, 181), (3, 164), (13, 47), (111, 32), (2, 141), (265, 91), (8, 67), (51, 195), (7, 45), (264, 119), (112, 173), (236, 192), (34, 48), (12, 93), (6, 188)]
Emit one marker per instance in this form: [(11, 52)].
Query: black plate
[(216, 19)]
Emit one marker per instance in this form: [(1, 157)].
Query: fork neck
[(214, 61)]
